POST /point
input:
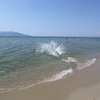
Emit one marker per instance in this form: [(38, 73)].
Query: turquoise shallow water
[(19, 66)]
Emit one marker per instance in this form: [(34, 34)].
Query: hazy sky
[(51, 17)]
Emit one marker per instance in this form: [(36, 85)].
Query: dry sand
[(82, 85), (89, 93)]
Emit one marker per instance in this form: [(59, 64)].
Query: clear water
[(20, 67)]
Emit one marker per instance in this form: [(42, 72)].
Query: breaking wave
[(70, 60), (79, 65), (52, 48), (59, 76), (88, 63), (55, 77)]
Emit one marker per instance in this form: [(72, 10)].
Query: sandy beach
[(88, 93), (49, 49), (82, 85)]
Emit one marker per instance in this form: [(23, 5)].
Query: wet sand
[(82, 85)]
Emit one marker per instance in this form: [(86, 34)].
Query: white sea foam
[(79, 65), (2, 71), (52, 48), (88, 63), (55, 77), (59, 76), (70, 60)]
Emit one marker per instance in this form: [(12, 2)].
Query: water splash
[(52, 48)]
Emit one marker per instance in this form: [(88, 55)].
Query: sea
[(29, 61)]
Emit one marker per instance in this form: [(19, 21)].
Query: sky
[(51, 17)]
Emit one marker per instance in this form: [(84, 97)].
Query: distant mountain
[(11, 34)]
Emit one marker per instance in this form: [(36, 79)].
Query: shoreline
[(64, 89)]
